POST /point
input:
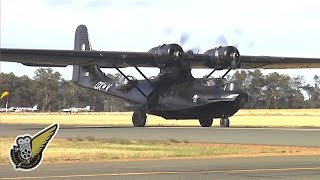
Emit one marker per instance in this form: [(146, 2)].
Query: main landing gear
[(139, 118), (207, 122)]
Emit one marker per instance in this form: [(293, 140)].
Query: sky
[(273, 28)]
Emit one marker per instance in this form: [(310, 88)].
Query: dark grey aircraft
[(174, 93)]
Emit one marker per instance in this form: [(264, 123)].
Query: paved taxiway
[(269, 136), (296, 167)]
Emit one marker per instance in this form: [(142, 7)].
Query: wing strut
[(135, 85), (210, 73), (226, 73), (144, 76)]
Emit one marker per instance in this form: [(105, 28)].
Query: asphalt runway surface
[(237, 168), (265, 136), (290, 167)]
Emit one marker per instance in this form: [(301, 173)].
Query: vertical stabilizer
[(81, 39), (81, 43)]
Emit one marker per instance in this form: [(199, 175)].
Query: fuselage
[(187, 99), (199, 98)]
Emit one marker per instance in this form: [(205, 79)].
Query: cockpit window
[(124, 85), (213, 82), (208, 82), (131, 78), (220, 83)]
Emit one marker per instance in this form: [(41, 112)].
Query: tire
[(139, 118), (205, 122), (224, 122)]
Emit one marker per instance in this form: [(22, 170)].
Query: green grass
[(244, 118), (89, 149)]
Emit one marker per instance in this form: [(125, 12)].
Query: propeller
[(184, 37), (221, 39)]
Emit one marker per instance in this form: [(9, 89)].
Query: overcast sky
[(278, 28)]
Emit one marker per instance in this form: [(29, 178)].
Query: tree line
[(50, 92), (277, 91)]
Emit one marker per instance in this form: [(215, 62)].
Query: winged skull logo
[(27, 153)]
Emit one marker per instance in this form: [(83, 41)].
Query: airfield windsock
[(4, 94)]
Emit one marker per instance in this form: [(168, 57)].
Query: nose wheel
[(224, 122), (139, 118)]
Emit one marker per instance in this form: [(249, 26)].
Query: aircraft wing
[(62, 58), (109, 59), (272, 62)]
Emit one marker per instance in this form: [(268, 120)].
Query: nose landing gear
[(224, 122)]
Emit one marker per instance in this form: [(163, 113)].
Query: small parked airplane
[(76, 110), (20, 109)]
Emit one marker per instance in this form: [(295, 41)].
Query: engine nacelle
[(167, 54), (224, 57)]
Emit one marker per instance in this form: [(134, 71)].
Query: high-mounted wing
[(223, 57), (271, 62), (62, 58), (156, 57)]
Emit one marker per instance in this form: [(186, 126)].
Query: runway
[(299, 167), (237, 168), (265, 136)]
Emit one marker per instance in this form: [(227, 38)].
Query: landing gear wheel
[(224, 122), (205, 122), (139, 118)]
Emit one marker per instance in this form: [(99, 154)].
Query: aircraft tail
[(87, 108), (35, 108), (89, 76), (81, 43)]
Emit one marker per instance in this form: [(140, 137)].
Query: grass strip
[(245, 118), (91, 149)]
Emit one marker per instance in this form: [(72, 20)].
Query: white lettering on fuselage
[(195, 98), (102, 86)]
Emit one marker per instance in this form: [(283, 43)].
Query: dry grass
[(244, 118), (88, 149)]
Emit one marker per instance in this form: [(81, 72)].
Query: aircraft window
[(131, 78), (208, 82), (124, 85), (218, 82)]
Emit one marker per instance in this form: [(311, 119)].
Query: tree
[(47, 86), (313, 93), (270, 91), (25, 91), (20, 89), (255, 90)]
